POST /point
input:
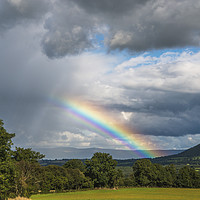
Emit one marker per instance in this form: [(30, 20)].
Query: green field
[(129, 193)]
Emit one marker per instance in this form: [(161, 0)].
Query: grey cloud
[(110, 7), (72, 25), (68, 30), (166, 114), (158, 24), (132, 25), (174, 114), (16, 12)]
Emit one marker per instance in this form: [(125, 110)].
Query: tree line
[(22, 175)]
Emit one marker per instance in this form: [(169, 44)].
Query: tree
[(75, 164), (54, 178), (101, 169), (7, 168), (149, 174), (171, 175), (59, 178), (188, 178), (144, 172), (27, 167), (27, 155), (27, 179), (130, 181), (5, 143)]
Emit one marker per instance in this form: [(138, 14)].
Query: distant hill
[(75, 153), (192, 152), (189, 156), (58, 156)]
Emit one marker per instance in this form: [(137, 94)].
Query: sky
[(137, 61)]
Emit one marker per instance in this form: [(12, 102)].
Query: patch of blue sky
[(98, 41), (152, 56), (159, 52)]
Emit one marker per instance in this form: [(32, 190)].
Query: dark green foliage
[(191, 152), (54, 178), (27, 155), (171, 174), (7, 179), (191, 155), (59, 178), (144, 172), (130, 181), (5, 143), (77, 179), (7, 167), (75, 164), (149, 174), (101, 169), (28, 178), (153, 175), (188, 178)]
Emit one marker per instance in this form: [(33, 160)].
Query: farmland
[(125, 193)]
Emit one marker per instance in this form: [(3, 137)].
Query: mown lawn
[(129, 193)]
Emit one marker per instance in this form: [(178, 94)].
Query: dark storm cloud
[(68, 30), (72, 25), (110, 7), (162, 114), (13, 12), (132, 25)]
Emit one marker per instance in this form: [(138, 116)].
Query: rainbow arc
[(102, 124)]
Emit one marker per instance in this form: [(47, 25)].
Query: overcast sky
[(137, 59)]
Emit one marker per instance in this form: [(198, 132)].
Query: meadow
[(125, 193)]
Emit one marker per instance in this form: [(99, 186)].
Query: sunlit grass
[(128, 193)]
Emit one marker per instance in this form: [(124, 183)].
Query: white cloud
[(126, 115), (169, 72), (170, 142), (137, 61)]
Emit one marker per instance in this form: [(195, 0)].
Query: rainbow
[(102, 124)]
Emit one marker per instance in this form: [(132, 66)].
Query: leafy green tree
[(7, 168), (5, 143), (28, 178), (149, 174), (171, 174), (101, 170), (76, 179), (188, 178), (165, 176), (27, 167), (144, 172), (130, 181), (55, 178), (59, 178), (27, 155), (75, 164)]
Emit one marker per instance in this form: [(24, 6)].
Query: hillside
[(189, 156), (192, 152), (124, 158), (70, 153)]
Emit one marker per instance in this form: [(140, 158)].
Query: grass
[(123, 194), (19, 198)]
